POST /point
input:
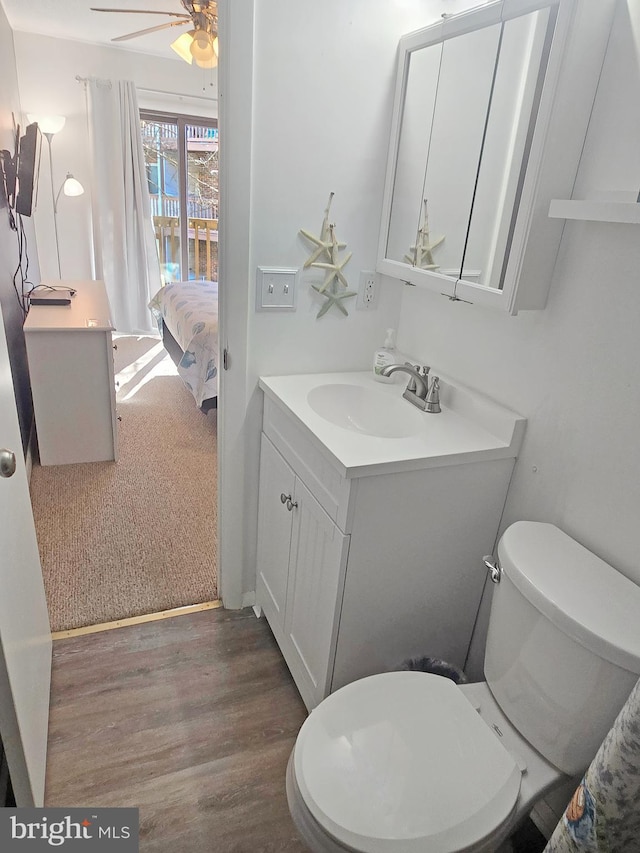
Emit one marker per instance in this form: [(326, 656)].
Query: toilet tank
[(563, 648)]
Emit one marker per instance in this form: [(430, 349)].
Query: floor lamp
[(49, 126)]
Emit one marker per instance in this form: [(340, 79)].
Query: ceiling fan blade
[(145, 12), (152, 30)]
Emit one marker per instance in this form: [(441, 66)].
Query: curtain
[(604, 813), (125, 254)]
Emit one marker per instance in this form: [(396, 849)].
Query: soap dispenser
[(384, 356)]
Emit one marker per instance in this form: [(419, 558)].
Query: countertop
[(470, 428), (88, 311)]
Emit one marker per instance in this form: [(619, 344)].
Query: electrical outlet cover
[(368, 288)]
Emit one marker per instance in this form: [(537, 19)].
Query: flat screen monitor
[(28, 166)]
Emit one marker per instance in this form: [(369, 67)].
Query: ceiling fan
[(199, 45)]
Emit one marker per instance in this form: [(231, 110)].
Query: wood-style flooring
[(191, 720)]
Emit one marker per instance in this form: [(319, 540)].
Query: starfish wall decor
[(421, 255), (326, 256)]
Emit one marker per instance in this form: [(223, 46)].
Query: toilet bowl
[(410, 761)]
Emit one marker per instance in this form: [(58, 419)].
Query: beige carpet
[(137, 536)]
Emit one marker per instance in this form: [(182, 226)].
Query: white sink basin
[(365, 410)]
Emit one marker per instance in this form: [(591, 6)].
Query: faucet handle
[(423, 371), (433, 397)]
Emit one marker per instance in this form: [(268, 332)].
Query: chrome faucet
[(417, 390)]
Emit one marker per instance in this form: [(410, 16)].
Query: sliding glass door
[(181, 154)]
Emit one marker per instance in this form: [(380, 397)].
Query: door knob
[(7, 463)]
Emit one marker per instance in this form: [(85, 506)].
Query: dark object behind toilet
[(435, 666)]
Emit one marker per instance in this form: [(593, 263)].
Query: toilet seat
[(402, 761)]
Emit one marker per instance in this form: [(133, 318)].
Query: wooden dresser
[(70, 352)]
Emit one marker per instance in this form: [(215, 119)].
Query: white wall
[(323, 89), (571, 369), (47, 70)]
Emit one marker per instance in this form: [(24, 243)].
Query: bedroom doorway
[(181, 155), (138, 540)]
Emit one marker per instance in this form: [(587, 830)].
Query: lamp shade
[(71, 186), (202, 49), (207, 63), (182, 44), (48, 124)]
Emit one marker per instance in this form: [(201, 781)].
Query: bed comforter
[(190, 312)]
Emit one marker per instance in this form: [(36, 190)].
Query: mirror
[(467, 97)]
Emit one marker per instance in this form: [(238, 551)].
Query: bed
[(187, 316)]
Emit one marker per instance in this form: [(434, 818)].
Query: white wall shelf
[(596, 211)]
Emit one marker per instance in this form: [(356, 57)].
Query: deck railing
[(164, 131), (170, 206), (202, 234)]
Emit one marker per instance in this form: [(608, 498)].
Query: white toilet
[(408, 761)]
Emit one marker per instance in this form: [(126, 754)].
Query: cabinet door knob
[(7, 463), (291, 504), (115, 346), (284, 498)]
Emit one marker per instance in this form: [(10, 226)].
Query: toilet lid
[(403, 761)]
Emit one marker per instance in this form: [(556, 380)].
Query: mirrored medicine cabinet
[(490, 113)]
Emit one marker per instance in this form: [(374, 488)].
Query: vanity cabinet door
[(318, 561), (274, 533), (302, 557)]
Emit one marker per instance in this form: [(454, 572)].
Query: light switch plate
[(276, 289)]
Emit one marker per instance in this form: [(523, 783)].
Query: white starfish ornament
[(421, 255), (334, 269), (323, 242), (328, 246)]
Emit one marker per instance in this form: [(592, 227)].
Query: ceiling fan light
[(182, 46), (207, 63), (202, 48), (202, 38)]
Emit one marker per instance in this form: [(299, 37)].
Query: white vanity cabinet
[(358, 571)]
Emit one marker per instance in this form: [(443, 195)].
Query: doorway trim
[(235, 120)]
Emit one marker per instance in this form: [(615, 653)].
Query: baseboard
[(249, 598)]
